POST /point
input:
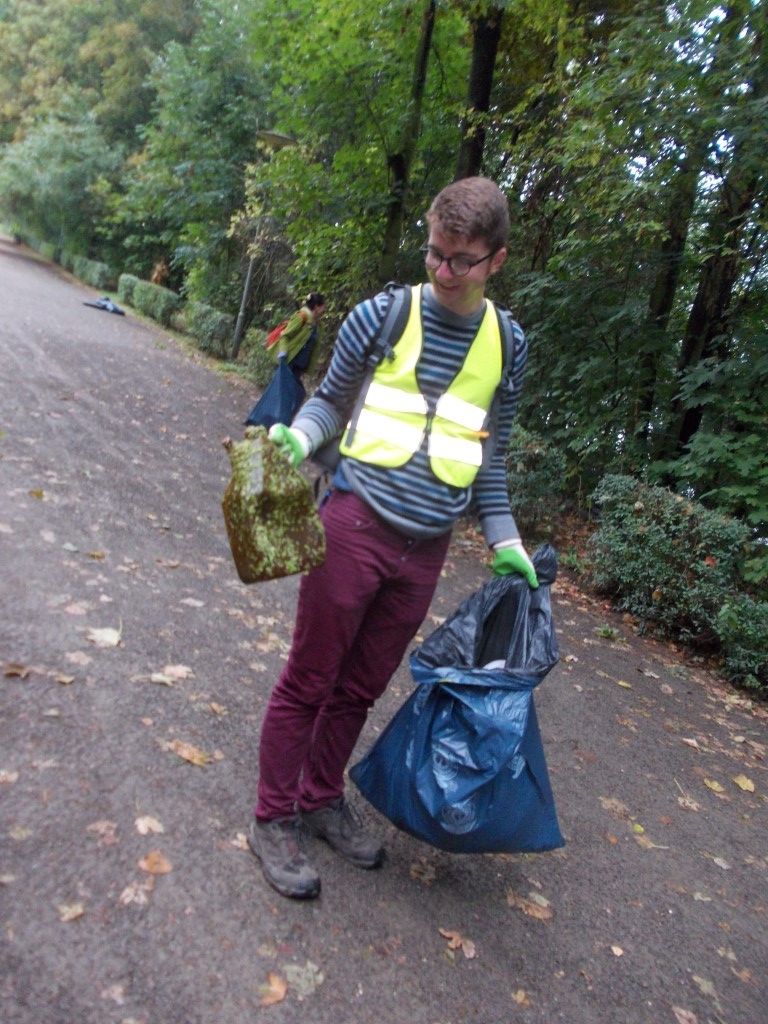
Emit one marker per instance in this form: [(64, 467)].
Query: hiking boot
[(342, 829), (286, 867)]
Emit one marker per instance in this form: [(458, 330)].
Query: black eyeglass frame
[(428, 250)]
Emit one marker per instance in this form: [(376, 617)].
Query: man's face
[(462, 295)]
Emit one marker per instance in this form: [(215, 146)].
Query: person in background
[(419, 456), (299, 342)]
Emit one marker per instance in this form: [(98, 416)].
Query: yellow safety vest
[(395, 417)]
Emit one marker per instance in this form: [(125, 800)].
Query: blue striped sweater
[(411, 498)]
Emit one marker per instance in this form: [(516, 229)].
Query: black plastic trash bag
[(461, 765), (280, 401)]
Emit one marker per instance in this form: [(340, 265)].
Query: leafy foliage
[(47, 179), (156, 302), (668, 560), (212, 328), (742, 628), (180, 191), (534, 480)]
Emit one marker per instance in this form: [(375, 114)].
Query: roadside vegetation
[(209, 163)]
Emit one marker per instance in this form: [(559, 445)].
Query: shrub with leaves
[(535, 476), (125, 287), (665, 558), (156, 302), (212, 329), (742, 628)]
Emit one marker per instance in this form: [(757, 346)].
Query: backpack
[(389, 333), (275, 333)]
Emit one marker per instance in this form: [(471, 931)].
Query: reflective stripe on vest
[(395, 417)]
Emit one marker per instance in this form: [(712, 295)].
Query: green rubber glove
[(514, 558), (291, 443)]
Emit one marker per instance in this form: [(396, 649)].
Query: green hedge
[(677, 566), (156, 302), (126, 285), (742, 628), (93, 272), (212, 329)]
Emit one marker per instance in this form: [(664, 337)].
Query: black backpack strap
[(381, 347), (389, 333), (507, 334)]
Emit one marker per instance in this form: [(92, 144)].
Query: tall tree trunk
[(664, 289), (486, 33), (708, 319), (401, 160)]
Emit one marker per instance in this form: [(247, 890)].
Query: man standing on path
[(421, 451)]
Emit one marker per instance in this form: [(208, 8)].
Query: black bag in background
[(280, 401)]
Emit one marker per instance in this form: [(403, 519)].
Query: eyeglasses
[(459, 266)]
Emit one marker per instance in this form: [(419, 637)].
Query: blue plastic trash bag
[(461, 765), (280, 401)]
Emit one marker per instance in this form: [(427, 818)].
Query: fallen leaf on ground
[(107, 637), (686, 800), (189, 753), (156, 863), (616, 806), (521, 997), (303, 980), (8, 776), (115, 993), (177, 671), (744, 783), (744, 975), (12, 669), (105, 830), (646, 844), (457, 941), (137, 893), (70, 912), (617, 951), (240, 842), (714, 785), (79, 658), (684, 1016), (706, 986), (146, 824), (161, 679), (76, 609), (423, 871), (273, 991), (536, 906)]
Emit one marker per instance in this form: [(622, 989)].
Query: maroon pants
[(356, 615)]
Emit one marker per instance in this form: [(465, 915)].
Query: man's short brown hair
[(472, 208)]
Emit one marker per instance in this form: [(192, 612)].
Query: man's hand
[(294, 444), (511, 557)]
